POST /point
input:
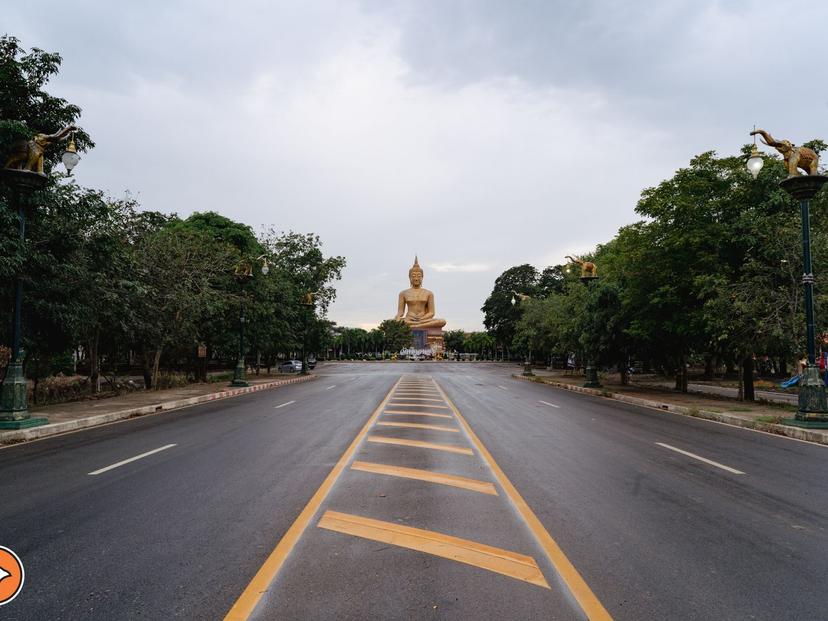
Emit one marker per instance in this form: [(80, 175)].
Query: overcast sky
[(479, 135)]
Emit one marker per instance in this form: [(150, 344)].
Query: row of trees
[(388, 337), (480, 343), (123, 286), (710, 275)]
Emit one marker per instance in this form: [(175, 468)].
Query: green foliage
[(454, 340), (712, 271), (500, 315), (25, 107), (121, 286), (479, 343), (396, 334)]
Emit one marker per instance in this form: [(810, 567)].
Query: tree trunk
[(94, 364), (748, 391), (155, 364), (783, 367), (708, 367), (681, 376), (625, 375), (146, 369)]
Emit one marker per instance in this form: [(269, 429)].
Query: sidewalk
[(752, 415), (65, 417), (733, 393)]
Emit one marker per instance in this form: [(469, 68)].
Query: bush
[(60, 389)]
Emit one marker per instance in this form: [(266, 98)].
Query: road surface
[(417, 491)]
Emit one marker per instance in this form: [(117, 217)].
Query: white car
[(290, 366)]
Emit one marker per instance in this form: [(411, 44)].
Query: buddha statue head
[(415, 274)]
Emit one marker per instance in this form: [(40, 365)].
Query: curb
[(798, 433), (44, 431)]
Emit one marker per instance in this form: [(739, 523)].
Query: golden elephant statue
[(794, 157), (28, 154)]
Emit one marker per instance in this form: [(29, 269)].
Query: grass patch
[(768, 419), (221, 377), (740, 408)]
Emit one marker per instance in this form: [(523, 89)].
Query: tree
[(180, 271), (454, 340), (500, 316), (25, 107), (396, 334)]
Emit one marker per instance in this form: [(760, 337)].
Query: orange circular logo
[(11, 575)]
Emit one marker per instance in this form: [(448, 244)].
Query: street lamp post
[(23, 173), (589, 273), (527, 363), (813, 406), (308, 303), (591, 375), (243, 274)]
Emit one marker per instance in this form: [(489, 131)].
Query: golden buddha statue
[(416, 305)]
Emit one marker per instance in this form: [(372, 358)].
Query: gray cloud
[(477, 134)]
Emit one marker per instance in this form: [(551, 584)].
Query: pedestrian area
[(422, 524)]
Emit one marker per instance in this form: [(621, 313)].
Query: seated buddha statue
[(416, 305)]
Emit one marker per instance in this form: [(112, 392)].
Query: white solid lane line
[(551, 405), (331, 387), (283, 405), (705, 460), (126, 461)]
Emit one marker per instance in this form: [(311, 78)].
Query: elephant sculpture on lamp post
[(794, 157), (27, 155)]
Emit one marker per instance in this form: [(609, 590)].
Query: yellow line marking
[(419, 405), (451, 448), (411, 398), (589, 603), (248, 600), (484, 487), (403, 412), (415, 393), (498, 560), (421, 426)]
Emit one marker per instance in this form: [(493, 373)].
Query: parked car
[(290, 366), (311, 363)]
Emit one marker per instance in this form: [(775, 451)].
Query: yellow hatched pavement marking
[(248, 600), (498, 560), (420, 426), (404, 413), (451, 448), (412, 393), (484, 487), (418, 405), (411, 398), (580, 590)]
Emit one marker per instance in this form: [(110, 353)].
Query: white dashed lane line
[(331, 387), (704, 459), (131, 459), (283, 405), (551, 405)]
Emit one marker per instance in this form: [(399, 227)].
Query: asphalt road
[(651, 530)]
